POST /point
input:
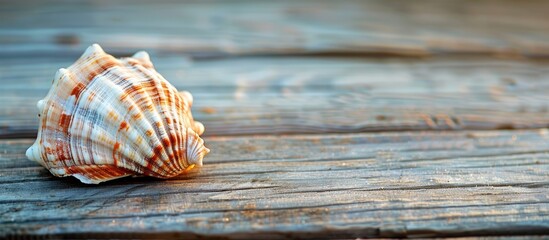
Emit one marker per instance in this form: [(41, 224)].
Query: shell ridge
[(185, 102), (184, 136), (182, 111), (35, 153), (175, 109), (137, 106), (93, 126), (124, 152), (99, 134), (195, 148), (142, 124), (62, 145), (79, 83), (70, 159), (172, 127), (171, 168), (182, 107), (160, 123), (78, 129), (181, 131), (76, 85), (86, 119)]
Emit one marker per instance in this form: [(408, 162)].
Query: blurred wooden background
[(338, 119)]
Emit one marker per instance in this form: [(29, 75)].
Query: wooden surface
[(278, 27), (326, 119), (312, 95), (409, 184)]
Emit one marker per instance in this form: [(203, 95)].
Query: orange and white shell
[(106, 118)]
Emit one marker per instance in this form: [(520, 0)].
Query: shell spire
[(93, 49), (106, 118)]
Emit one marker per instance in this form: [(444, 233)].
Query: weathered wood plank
[(409, 184), (278, 27), (309, 95)]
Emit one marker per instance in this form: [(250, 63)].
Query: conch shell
[(106, 118)]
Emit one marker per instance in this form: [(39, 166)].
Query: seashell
[(106, 118)]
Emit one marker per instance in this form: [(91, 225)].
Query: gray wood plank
[(257, 95), (278, 27), (407, 184)]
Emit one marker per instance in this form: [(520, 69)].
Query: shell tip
[(206, 150), (142, 55), (33, 154), (187, 96), (199, 127), (29, 153), (40, 105), (60, 73), (94, 48), (195, 148)]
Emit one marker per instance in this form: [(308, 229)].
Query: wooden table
[(326, 119)]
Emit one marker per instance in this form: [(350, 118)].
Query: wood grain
[(258, 95), (209, 28), (408, 184), (422, 79)]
